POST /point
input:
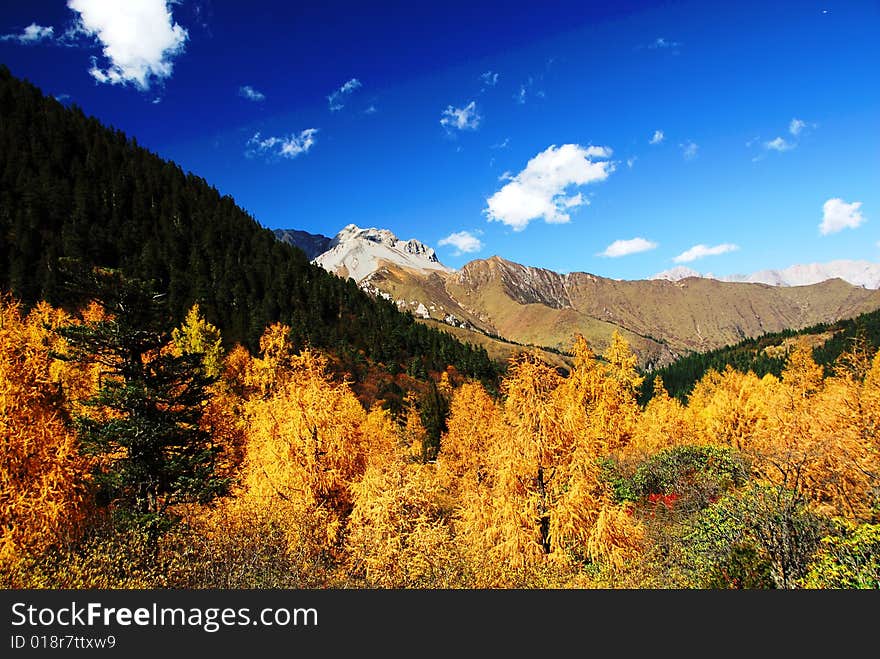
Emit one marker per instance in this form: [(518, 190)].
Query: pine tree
[(434, 411), (143, 426)]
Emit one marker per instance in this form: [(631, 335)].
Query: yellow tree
[(869, 431), (305, 446), (614, 414), (782, 448), (842, 466), (505, 519), (223, 415), (541, 497), (379, 433), (238, 368), (276, 361), (198, 336), (730, 408), (810, 441), (413, 434), (600, 394), (474, 426), (42, 475), (596, 413), (662, 424), (399, 534)]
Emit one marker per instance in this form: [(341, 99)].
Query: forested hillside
[(767, 354), (71, 187)]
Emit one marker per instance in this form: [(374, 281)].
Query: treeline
[(70, 187), (757, 354), (266, 472)]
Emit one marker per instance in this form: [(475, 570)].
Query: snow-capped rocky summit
[(677, 273), (857, 273), (358, 253)]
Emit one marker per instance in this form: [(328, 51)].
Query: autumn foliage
[(42, 474), (558, 480)]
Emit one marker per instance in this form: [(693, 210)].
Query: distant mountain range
[(663, 317), (857, 273)]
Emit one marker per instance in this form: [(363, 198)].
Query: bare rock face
[(312, 244), (360, 253)]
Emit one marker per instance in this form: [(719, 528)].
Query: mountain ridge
[(663, 318), (857, 273)]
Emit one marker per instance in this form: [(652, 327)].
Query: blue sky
[(574, 136)]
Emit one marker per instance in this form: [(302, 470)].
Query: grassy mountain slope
[(662, 320), (501, 350), (767, 353)]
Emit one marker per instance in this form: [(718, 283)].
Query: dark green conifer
[(152, 452)]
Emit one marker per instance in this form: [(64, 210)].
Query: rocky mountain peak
[(359, 252)]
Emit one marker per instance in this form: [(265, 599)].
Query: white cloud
[(574, 201), (700, 251), (838, 215), (657, 137), (139, 37), (529, 87), (466, 118), (489, 78), (779, 144), (689, 150), (626, 247), (796, 127), (503, 144), (282, 147), (631, 161), (661, 43), (337, 99), (371, 110), (539, 190), (463, 241), (31, 34), (251, 94)]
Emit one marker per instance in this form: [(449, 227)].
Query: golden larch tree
[(305, 445), (42, 475), (198, 336)]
